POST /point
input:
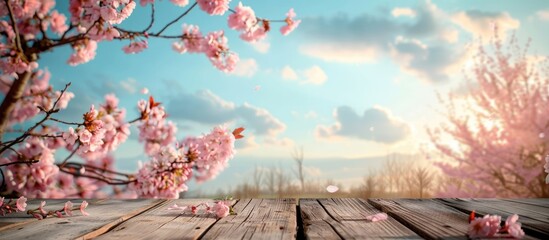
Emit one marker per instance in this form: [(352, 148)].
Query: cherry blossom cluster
[(213, 45), (101, 132), (168, 170), (39, 93), (37, 171), (67, 210), (221, 209), (490, 226), (12, 206), (154, 130), (210, 152)]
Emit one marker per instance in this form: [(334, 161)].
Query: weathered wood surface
[(346, 219), (276, 219), (534, 218), (104, 215), (258, 219)]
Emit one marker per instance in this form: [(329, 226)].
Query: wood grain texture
[(426, 217), (534, 218), (346, 219), (16, 219), (103, 213), (161, 223), (258, 219)]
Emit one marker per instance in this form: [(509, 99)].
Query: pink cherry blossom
[(291, 23), (181, 3), (68, 208), (135, 47), (220, 209), (84, 51), (243, 18), (377, 217), (191, 42), (144, 91), (487, 226), (21, 203), (83, 206), (514, 227), (214, 7), (41, 207), (58, 23)]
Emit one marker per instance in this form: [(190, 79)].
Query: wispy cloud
[(262, 46), (376, 124), (408, 12), (314, 75), (246, 68), (481, 24), (288, 73), (207, 108)]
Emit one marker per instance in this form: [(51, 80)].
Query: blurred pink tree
[(497, 136), (28, 166)]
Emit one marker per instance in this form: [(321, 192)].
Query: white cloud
[(130, 85), (262, 46), (481, 24), (245, 68), (314, 75), (543, 15), (288, 73), (397, 12), (335, 52), (376, 124), (207, 108)]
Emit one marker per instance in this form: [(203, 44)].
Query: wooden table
[(277, 219)]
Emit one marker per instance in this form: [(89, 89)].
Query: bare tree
[(297, 155)]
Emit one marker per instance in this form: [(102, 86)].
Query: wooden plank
[(346, 219), (426, 217), (18, 218), (540, 202), (161, 223), (258, 219), (535, 224), (104, 214)]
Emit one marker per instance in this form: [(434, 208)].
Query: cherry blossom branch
[(14, 26), (70, 155), (175, 20), (31, 161), (88, 171), (65, 122), (39, 123), (152, 19)]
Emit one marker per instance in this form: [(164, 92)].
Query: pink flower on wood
[(377, 217), (220, 209), (83, 206), (41, 207), (21, 203), (514, 227), (68, 208), (487, 226)]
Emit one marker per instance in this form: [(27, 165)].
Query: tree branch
[(174, 21)]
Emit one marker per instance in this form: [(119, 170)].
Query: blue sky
[(356, 80)]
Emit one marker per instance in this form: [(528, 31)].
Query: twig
[(174, 21), (70, 155), (14, 26), (39, 123), (65, 122), (152, 19), (20, 162)]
